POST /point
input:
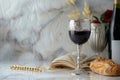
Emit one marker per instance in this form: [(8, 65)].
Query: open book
[(68, 61)]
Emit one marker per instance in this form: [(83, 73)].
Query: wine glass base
[(79, 72), (76, 73)]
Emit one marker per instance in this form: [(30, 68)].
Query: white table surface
[(7, 74)]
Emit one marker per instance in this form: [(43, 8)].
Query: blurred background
[(35, 30)]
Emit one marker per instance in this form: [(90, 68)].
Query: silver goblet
[(98, 39)]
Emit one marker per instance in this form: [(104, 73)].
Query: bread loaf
[(105, 67)]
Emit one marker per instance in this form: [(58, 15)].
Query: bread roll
[(105, 67)]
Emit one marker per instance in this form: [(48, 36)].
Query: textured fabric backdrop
[(34, 30)]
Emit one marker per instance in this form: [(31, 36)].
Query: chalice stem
[(98, 54)]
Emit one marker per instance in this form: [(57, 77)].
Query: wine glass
[(79, 32)]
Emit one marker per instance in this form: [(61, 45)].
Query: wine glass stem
[(78, 57)]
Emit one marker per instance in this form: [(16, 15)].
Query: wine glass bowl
[(79, 32), (79, 37)]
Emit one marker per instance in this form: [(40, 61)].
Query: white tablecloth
[(7, 74)]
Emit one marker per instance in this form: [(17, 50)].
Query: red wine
[(114, 44), (79, 37)]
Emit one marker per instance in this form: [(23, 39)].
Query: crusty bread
[(105, 67)]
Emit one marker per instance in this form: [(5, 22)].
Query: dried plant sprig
[(26, 68), (87, 12), (75, 13), (70, 2)]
